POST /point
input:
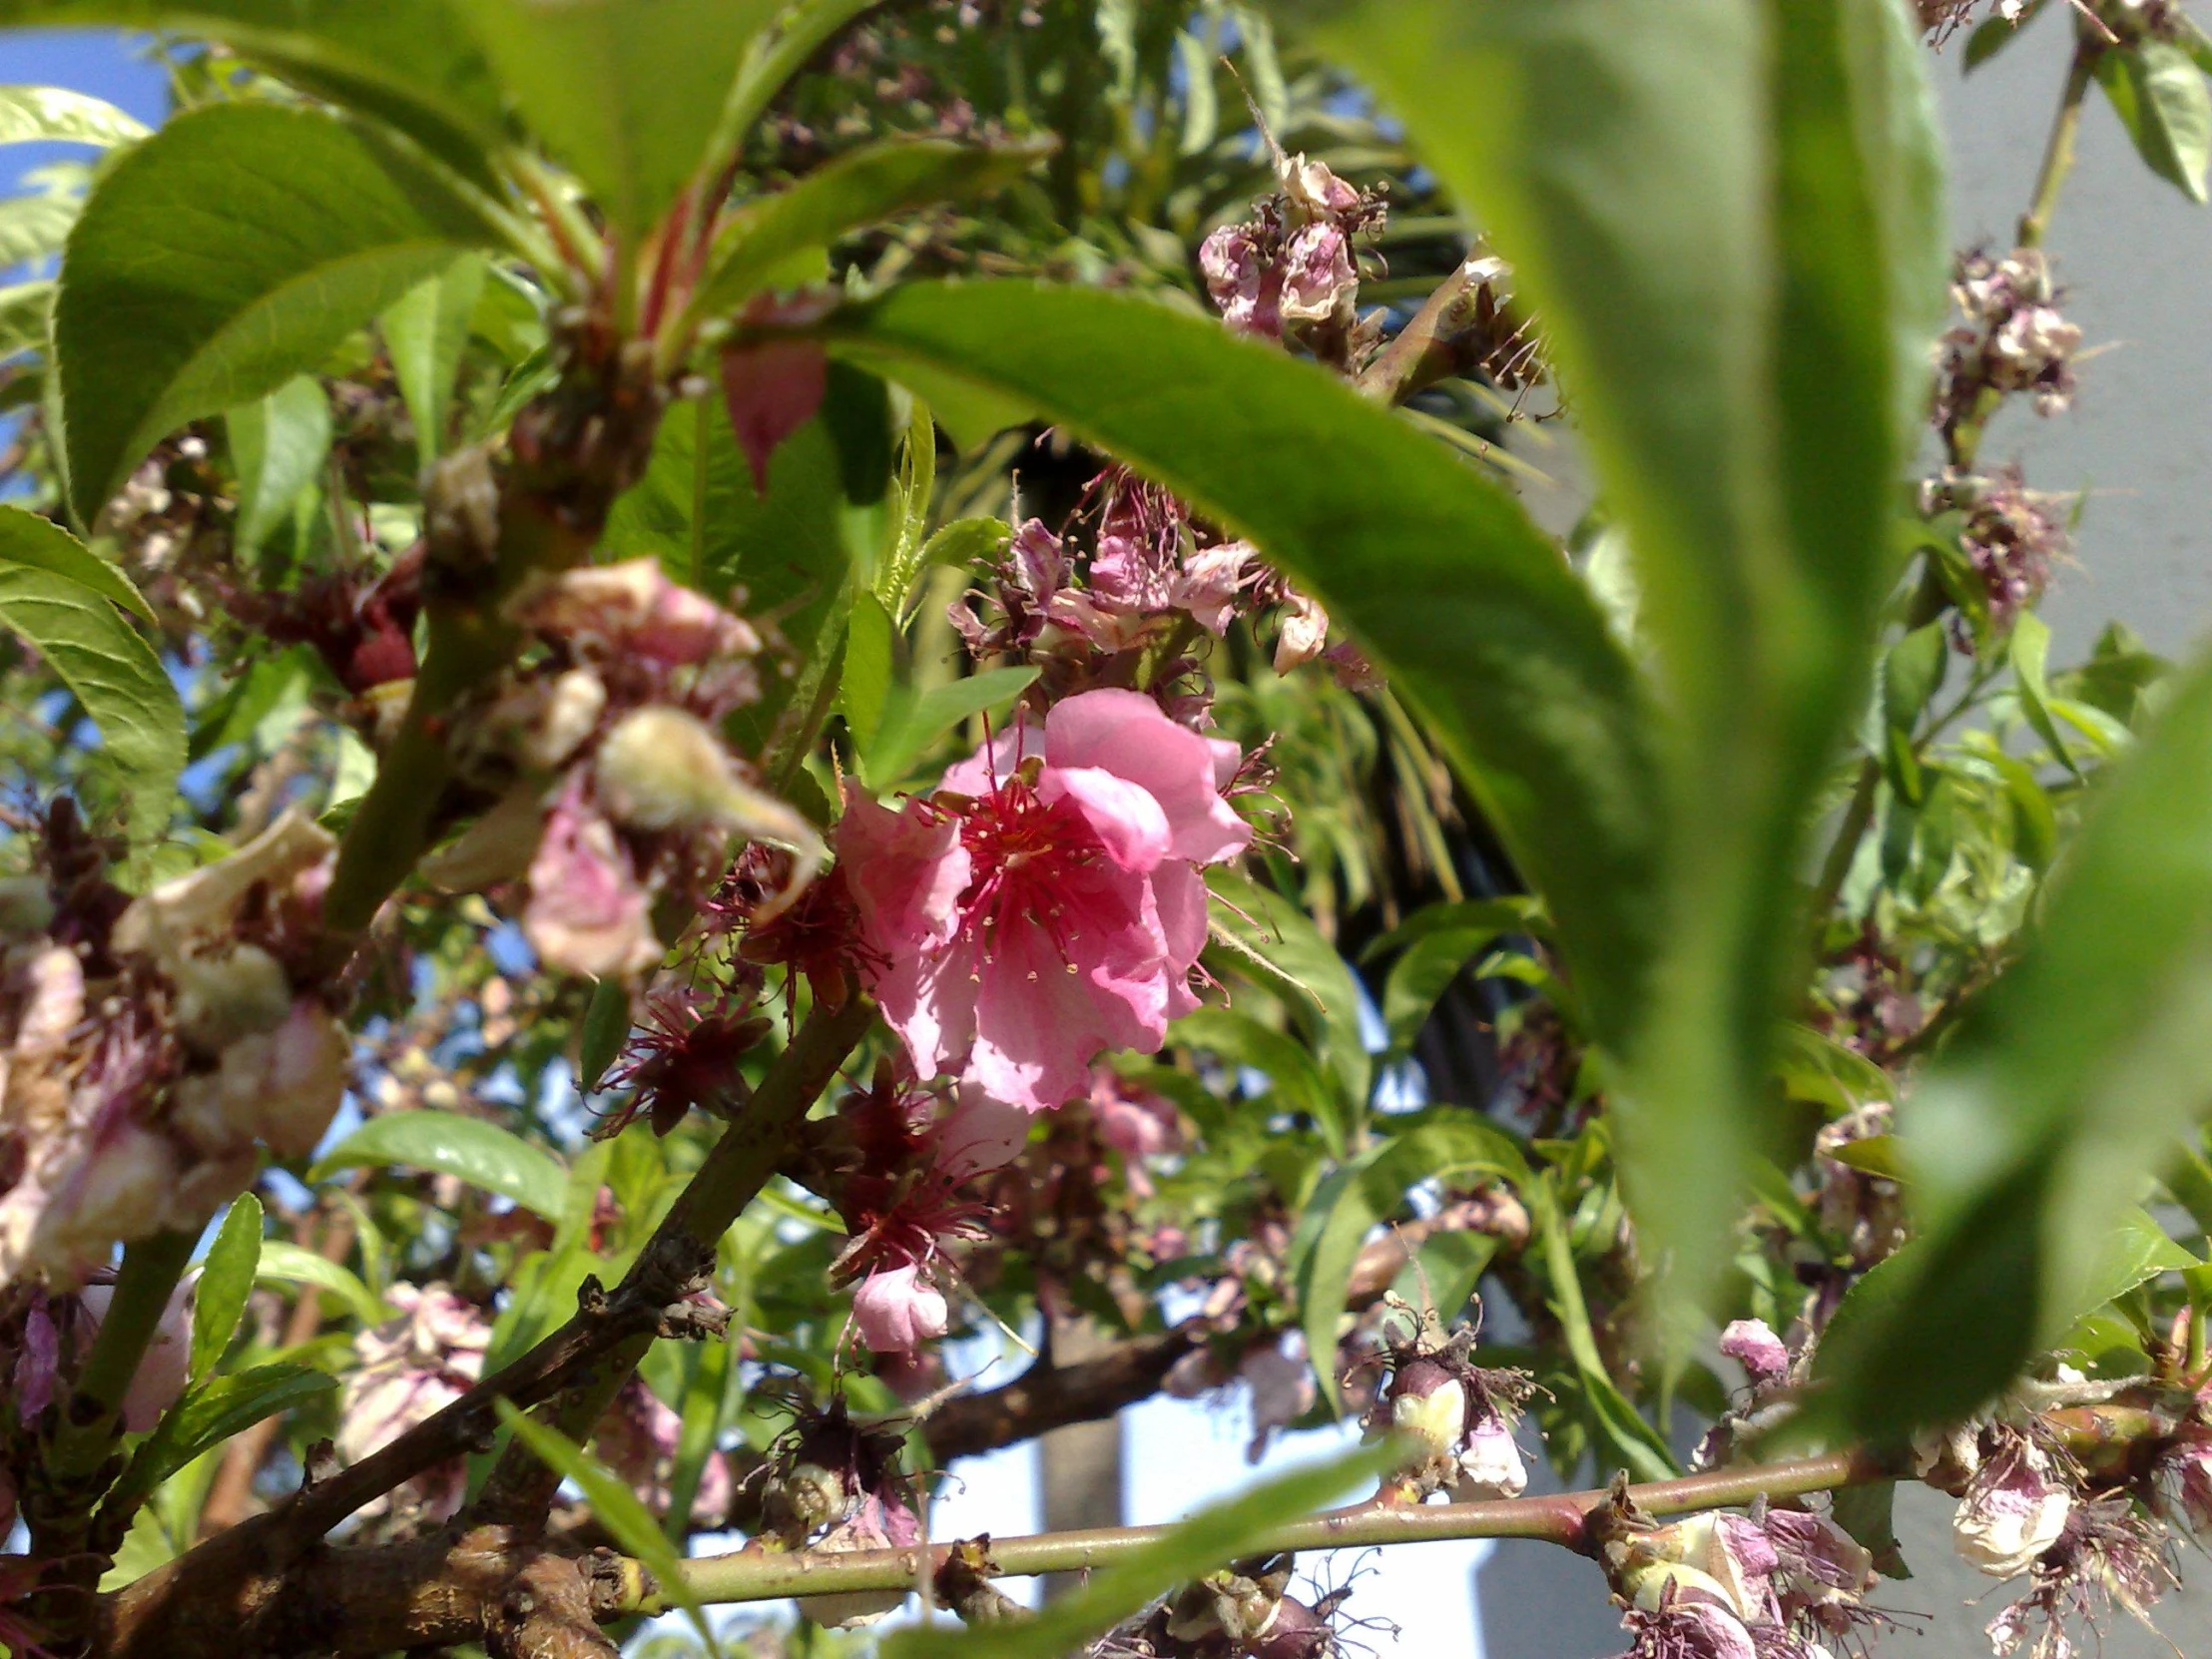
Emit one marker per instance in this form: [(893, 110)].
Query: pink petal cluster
[(1045, 905), (412, 1365), (896, 1309)]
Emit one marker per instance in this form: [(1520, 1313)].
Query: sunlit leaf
[(225, 256), (226, 1281), (468, 1149)]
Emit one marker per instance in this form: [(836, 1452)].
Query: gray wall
[(2135, 255)]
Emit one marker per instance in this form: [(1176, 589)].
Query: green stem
[(1560, 1520), (2059, 147), (90, 1422), (75, 1460)]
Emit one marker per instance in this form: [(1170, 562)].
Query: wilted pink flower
[(2186, 1472), (873, 1524), (1045, 905), (1490, 1463), (1755, 1347), (281, 1086), (1240, 282), (1680, 1628), (162, 1369), (633, 608), (587, 913), (639, 1440), (1281, 1385), (1136, 1123), (1300, 634), (411, 1367), (896, 1309), (1319, 283), (2014, 1510)]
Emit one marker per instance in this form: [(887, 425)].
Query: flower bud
[(1428, 1401), (570, 707), (2012, 1512), (1490, 1463), (895, 1312), (222, 998)]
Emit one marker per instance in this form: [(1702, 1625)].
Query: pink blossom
[(413, 1365), (1751, 1345), (1319, 283), (979, 1133), (639, 1440), (1136, 1123), (161, 1370), (1045, 905), (1244, 288), (587, 913), (632, 608), (896, 1309)]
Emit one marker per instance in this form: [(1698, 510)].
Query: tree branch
[(248, 1568)]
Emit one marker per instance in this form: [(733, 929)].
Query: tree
[(716, 688)]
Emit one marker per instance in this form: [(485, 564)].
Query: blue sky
[(97, 61), (1182, 1452)]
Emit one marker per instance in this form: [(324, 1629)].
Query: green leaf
[(41, 544), (231, 252), (2159, 94), (2029, 646), (1281, 939), (1297, 1081), (912, 720), (1373, 1189), (1515, 914), (628, 93), (1769, 168), (226, 1279), (869, 662), (1639, 1446), (1208, 1539), (697, 511), (425, 330), (2132, 1250), (279, 444), (405, 61), (284, 1263), (606, 1023), (108, 668), (24, 310), (32, 113), (32, 226), (2061, 1092), (208, 1414), (855, 190), (1469, 608), (614, 1506), (468, 1149), (1992, 35), (1423, 973)]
